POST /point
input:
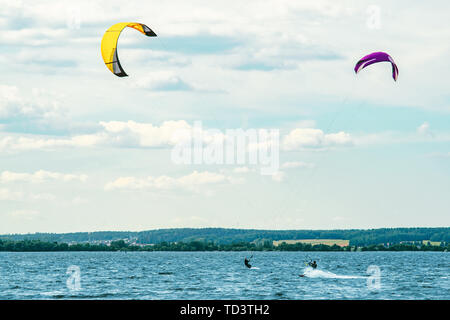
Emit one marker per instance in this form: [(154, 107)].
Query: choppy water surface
[(222, 275)]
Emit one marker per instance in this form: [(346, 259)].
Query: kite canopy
[(109, 45), (374, 58)]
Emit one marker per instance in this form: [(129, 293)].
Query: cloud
[(297, 164), (143, 56), (39, 177), (32, 37), (279, 176), (41, 105), (24, 214), (132, 134), (278, 52), (190, 182), (14, 143), (32, 111), (7, 195), (201, 44), (112, 134), (423, 128), (128, 134), (422, 135), (78, 201), (42, 197), (301, 138), (192, 221), (305, 123), (161, 81), (143, 134), (241, 170), (439, 155), (55, 60)]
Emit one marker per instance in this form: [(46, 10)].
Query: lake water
[(222, 275)]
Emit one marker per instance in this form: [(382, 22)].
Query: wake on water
[(314, 273)]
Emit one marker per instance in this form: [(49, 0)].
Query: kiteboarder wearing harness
[(247, 262), (312, 264)]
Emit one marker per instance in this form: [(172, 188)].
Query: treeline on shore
[(121, 245), (356, 237)]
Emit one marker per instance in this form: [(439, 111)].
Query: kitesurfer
[(312, 264), (247, 262)]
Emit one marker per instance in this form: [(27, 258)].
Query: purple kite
[(374, 58)]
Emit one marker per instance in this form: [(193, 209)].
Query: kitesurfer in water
[(247, 262), (312, 264)]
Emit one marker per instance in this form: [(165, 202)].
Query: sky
[(84, 150)]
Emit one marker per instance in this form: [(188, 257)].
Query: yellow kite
[(109, 44)]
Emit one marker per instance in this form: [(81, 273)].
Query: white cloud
[(305, 124), (241, 170), (112, 134), (142, 134), (41, 104), (79, 200), (32, 37), (188, 182), (296, 164), (339, 218), (43, 197), (39, 177), (393, 137), (279, 176), (439, 155), (424, 129), (192, 221), (23, 143), (285, 51), (6, 194), (161, 81), (24, 214), (300, 138), (118, 134), (9, 195)]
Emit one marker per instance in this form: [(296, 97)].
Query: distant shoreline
[(199, 246), (222, 236)]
